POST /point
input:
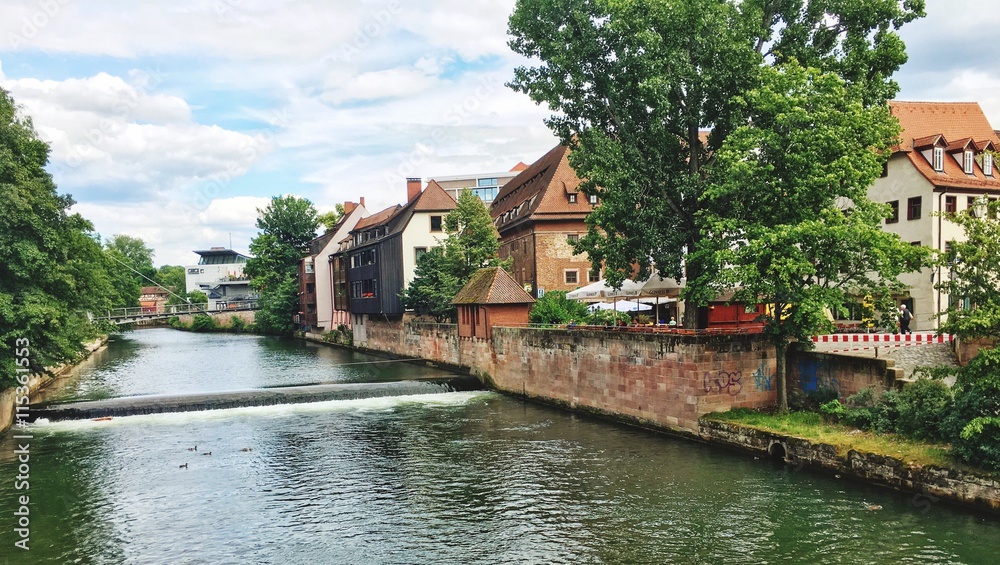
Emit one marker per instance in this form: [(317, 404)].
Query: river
[(463, 477)]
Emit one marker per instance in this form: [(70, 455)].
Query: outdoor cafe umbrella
[(623, 306)]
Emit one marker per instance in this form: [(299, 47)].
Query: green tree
[(788, 215), (555, 308), (973, 287), (51, 264), (472, 244), (647, 91), (287, 226), (329, 220), (433, 286), (129, 262), (171, 276)]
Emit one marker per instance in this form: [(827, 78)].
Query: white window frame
[(938, 159), (968, 163), (566, 272), (988, 164)]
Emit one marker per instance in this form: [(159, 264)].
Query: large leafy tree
[(788, 215), (286, 227), (472, 244), (129, 262), (647, 91), (329, 220), (973, 287), (52, 271)]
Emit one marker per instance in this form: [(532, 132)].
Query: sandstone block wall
[(844, 373)]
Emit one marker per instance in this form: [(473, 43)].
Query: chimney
[(362, 200), (412, 188), (349, 207)]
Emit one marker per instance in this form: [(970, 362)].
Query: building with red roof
[(943, 163)]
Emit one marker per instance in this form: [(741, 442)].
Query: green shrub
[(973, 426), (174, 322), (881, 416), (607, 318), (203, 323), (833, 411), (555, 308), (237, 324), (923, 407)]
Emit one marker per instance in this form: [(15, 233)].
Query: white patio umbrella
[(593, 291), (621, 306)]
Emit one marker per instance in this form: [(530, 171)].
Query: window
[(950, 204), (971, 206), (988, 164), (571, 276), (309, 267), (436, 223), (418, 252), (894, 215), (967, 165), (364, 289), (487, 182), (592, 199), (572, 238), (938, 163), (913, 208), (572, 198), (594, 276), (915, 243)]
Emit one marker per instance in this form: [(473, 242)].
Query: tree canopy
[(329, 220), (52, 268), (787, 209), (646, 92), (472, 244), (287, 225)]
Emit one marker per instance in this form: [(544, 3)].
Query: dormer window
[(572, 198), (988, 164), (938, 161), (967, 164)]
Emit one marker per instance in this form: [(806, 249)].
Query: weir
[(162, 404)]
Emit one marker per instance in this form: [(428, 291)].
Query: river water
[(465, 477)]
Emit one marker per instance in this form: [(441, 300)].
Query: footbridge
[(121, 316)]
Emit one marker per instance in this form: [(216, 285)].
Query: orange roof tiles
[(376, 218), (541, 190), (959, 125)]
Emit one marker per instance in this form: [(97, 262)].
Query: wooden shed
[(491, 298)]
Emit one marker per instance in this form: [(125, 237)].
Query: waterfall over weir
[(161, 404)]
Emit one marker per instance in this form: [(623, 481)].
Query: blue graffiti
[(815, 374), (762, 381)]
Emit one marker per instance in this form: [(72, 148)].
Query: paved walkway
[(907, 355)]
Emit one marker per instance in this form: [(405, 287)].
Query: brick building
[(490, 298), (537, 214)]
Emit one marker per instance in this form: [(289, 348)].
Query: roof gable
[(434, 198), (492, 285), (541, 189)]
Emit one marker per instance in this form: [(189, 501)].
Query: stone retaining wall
[(846, 374), (8, 397), (962, 487)]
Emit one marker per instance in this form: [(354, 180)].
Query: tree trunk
[(780, 350)]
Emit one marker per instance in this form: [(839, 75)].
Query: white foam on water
[(378, 404)]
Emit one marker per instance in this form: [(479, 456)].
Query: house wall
[(519, 245), (904, 182), (326, 318), (555, 255), (418, 234)]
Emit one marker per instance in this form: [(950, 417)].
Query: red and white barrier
[(907, 339), (873, 341)]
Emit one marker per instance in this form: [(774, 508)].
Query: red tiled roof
[(520, 166), (492, 285), (433, 199), (376, 218), (541, 189), (957, 124)]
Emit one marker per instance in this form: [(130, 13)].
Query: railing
[(662, 328), (177, 310)]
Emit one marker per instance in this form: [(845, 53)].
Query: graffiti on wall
[(815, 374), (761, 380), (729, 383)]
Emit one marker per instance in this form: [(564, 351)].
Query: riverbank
[(602, 375), (8, 397)]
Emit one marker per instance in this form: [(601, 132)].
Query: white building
[(943, 164), (219, 274)]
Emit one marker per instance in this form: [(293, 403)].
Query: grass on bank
[(811, 426)]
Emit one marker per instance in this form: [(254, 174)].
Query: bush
[(973, 426), (923, 407), (833, 411), (555, 308), (879, 415), (607, 318), (237, 324), (175, 322), (203, 323)]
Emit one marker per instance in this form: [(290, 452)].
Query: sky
[(175, 121)]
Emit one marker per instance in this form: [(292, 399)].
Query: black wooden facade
[(375, 284)]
